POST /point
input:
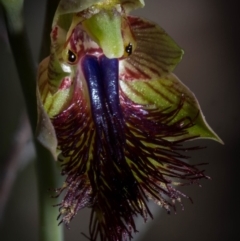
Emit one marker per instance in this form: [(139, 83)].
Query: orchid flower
[(115, 116)]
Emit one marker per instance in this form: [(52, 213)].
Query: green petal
[(49, 105), (45, 132), (167, 93), (156, 54)]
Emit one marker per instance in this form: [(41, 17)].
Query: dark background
[(208, 32)]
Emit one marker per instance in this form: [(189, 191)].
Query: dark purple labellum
[(118, 153), (92, 74), (110, 75), (102, 79)]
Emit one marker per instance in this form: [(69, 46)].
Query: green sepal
[(167, 93), (45, 132), (156, 53), (49, 105), (73, 6)]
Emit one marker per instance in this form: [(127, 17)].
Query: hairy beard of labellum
[(156, 162), (117, 178)]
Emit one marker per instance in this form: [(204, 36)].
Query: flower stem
[(46, 175), (45, 166)]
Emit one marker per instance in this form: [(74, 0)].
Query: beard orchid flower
[(115, 116)]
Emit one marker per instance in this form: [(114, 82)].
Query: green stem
[(45, 166), (22, 55), (46, 175)]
